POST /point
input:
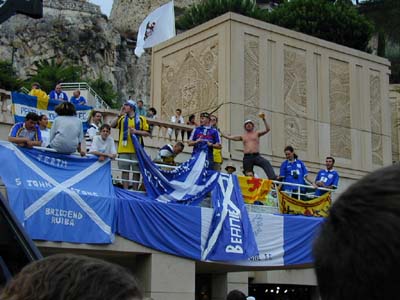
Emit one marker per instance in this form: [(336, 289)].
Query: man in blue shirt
[(205, 136), (327, 178), (26, 134), (77, 99), (58, 94)]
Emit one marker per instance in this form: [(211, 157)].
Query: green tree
[(210, 9), (338, 21), (8, 80), (105, 90), (385, 14), (49, 73)]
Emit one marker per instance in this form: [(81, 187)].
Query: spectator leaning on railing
[(27, 133)]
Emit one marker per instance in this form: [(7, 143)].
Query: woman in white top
[(177, 118), (43, 122), (103, 145)]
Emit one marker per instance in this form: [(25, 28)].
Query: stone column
[(222, 284), (166, 277)]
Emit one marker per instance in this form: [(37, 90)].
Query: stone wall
[(321, 98)]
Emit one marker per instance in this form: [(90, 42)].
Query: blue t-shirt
[(208, 134), (293, 172), (78, 101), (329, 178), (58, 96)]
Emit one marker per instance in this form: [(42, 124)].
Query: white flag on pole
[(158, 27)]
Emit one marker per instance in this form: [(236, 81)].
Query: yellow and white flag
[(158, 27)]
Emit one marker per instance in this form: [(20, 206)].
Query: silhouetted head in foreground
[(357, 253), (72, 277)]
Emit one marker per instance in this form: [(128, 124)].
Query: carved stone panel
[(376, 118), (251, 77), (339, 108), (190, 79), (295, 98)]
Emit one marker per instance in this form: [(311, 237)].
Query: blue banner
[(58, 197), (23, 104), (170, 228), (231, 235), (189, 183)]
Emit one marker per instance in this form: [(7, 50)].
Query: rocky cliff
[(76, 32), (126, 15)]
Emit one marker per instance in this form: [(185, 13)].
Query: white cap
[(248, 121), (250, 298)]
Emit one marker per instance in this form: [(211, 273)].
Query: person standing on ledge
[(251, 147)]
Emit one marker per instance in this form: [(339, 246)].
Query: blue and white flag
[(189, 183), (231, 236), (23, 104), (58, 197)]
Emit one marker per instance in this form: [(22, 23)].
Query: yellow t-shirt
[(217, 154), (128, 148)]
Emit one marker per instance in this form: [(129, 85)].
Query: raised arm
[(267, 128)]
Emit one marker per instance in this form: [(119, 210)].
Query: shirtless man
[(251, 148)]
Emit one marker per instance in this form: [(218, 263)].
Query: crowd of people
[(66, 136)]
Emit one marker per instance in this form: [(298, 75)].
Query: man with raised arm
[(251, 147)]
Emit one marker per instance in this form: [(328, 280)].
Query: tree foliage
[(338, 21), (49, 73), (210, 9), (105, 90), (8, 80), (385, 14)]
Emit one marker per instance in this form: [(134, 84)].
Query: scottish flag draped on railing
[(230, 237), (23, 104), (58, 197), (189, 183)]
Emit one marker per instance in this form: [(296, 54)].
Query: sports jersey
[(329, 178), (128, 146)]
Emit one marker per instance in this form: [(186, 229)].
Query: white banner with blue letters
[(58, 197)]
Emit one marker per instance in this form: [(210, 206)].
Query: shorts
[(124, 165)]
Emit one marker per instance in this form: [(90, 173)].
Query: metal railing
[(95, 100), (272, 207)]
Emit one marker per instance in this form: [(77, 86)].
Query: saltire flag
[(156, 28), (31, 8), (231, 235), (189, 183), (254, 189), (58, 197), (317, 207), (23, 104)]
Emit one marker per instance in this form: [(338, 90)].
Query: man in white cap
[(129, 122), (251, 147)]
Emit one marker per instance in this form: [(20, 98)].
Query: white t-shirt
[(45, 137), (104, 146)]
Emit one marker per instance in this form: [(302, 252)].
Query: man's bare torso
[(251, 142)]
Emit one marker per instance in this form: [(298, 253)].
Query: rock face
[(76, 32), (126, 15)]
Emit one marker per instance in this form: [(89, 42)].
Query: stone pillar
[(166, 277), (222, 284)]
